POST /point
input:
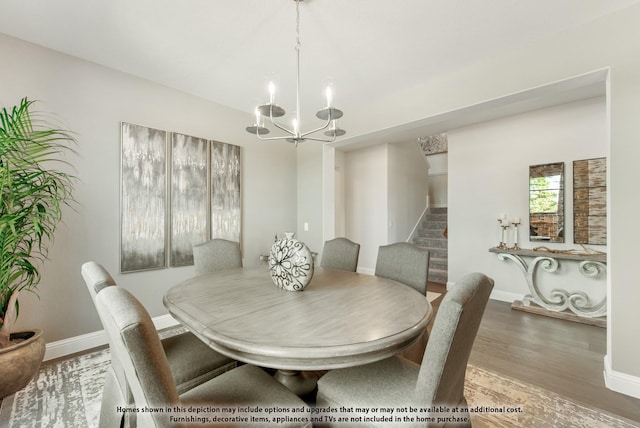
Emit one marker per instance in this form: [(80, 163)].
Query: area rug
[(503, 402), (431, 296), (67, 394)]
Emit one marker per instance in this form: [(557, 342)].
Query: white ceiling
[(225, 50)]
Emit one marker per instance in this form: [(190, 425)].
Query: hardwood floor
[(558, 355)]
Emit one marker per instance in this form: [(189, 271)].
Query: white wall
[(408, 189), (92, 101), (309, 202), (438, 179), (366, 201), (489, 175), (339, 194), (385, 195)]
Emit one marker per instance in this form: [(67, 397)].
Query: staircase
[(430, 235)]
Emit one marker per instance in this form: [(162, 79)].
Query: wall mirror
[(590, 201), (546, 202)]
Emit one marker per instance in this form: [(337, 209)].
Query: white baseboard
[(505, 296), (72, 345), (501, 296), (620, 382), (366, 271)]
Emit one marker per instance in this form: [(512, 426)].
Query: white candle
[(329, 96), (272, 92), (516, 220)]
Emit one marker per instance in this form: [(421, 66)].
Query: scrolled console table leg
[(559, 300)]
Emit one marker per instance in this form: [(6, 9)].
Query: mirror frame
[(547, 226)]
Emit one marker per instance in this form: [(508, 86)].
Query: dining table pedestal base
[(296, 382)]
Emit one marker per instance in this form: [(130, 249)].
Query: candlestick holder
[(515, 224), (504, 225)]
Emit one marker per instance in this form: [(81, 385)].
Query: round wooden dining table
[(340, 319)]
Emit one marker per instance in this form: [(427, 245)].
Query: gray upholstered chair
[(340, 253), (138, 348), (216, 254), (406, 263), (191, 361), (439, 381)]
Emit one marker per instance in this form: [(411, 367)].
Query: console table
[(570, 305)]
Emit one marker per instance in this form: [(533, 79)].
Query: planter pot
[(20, 362)]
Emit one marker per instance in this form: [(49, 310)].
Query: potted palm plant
[(32, 194)]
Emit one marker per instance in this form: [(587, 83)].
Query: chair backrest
[(404, 262), (444, 364), (216, 254), (340, 253), (137, 345), (96, 277)]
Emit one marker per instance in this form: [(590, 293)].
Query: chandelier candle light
[(329, 114)]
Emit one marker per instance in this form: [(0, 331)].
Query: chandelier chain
[(297, 25)]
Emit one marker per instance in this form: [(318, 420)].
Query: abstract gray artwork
[(188, 197), (225, 191), (144, 198), (177, 191)]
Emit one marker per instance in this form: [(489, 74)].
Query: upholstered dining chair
[(439, 381), (138, 348), (191, 361), (340, 253), (404, 262), (216, 254)]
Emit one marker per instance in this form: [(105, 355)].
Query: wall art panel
[(225, 191), (590, 201), (188, 196), (144, 198)]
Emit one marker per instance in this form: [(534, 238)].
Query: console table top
[(596, 257)]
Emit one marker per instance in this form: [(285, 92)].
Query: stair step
[(430, 243), (435, 217), (430, 235), (437, 263), (440, 210), (438, 276), (438, 253), (440, 225)]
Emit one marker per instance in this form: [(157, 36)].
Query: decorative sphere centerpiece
[(290, 263)]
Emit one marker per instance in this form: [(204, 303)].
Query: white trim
[(500, 296), (72, 345), (164, 321), (75, 344), (620, 382), (415, 228), (505, 296), (365, 270)]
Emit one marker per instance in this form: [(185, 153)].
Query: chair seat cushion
[(383, 383), (192, 362), (248, 385)]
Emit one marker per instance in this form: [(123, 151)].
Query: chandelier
[(329, 114)]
